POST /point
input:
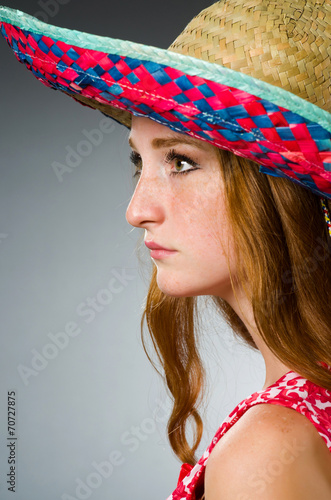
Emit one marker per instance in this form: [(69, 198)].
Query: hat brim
[(285, 134)]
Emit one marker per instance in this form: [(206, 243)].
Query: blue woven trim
[(189, 65)]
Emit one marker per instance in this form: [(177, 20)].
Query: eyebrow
[(161, 142)]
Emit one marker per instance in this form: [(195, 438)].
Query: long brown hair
[(282, 250)]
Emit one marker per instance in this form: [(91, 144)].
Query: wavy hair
[(282, 250)]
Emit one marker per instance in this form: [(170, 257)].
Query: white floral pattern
[(291, 390)]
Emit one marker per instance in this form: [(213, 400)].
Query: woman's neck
[(274, 367)]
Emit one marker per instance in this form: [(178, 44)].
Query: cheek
[(197, 205), (207, 209), (200, 221), (199, 196)]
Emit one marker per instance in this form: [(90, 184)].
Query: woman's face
[(183, 212)]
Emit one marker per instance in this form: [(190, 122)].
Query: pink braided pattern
[(283, 142), (292, 391)]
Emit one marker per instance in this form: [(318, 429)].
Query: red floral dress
[(291, 390)]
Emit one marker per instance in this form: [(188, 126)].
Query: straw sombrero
[(250, 76)]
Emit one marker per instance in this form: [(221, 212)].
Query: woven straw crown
[(286, 43)]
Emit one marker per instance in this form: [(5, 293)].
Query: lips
[(154, 246)]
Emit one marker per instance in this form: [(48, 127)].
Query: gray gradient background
[(60, 244)]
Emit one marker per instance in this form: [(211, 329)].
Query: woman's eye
[(136, 160), (178, 160), (180, 164)]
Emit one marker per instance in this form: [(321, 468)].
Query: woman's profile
[(230, 132)]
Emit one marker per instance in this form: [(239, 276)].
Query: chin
[(172, 290), (176, 287)]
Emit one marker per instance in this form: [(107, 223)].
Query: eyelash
[(170, 157)]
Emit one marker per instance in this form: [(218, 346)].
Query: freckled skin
[(183, 212), (187, 213)]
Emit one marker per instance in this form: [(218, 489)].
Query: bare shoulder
[(272, 452)]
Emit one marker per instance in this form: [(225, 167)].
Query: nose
[(146, 205)]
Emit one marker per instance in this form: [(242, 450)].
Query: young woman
[(204, 130), (221, 235)]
